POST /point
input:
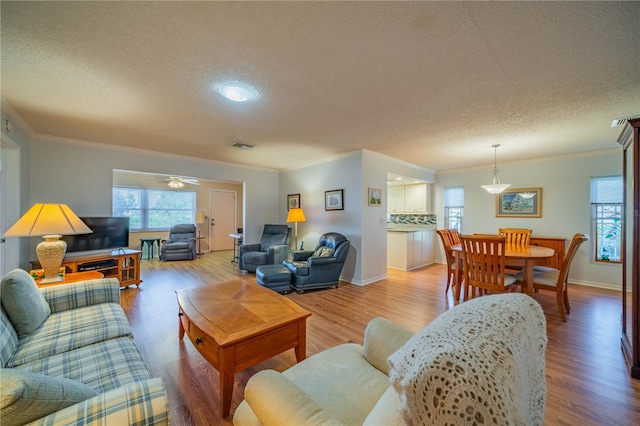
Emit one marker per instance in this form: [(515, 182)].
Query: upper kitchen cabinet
[(409, 199), (416, 198), (395, 199)]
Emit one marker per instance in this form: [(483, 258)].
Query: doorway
[(9, 203), (222, 222)]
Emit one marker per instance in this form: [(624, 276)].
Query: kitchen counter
[(409, 247), (410, 228)]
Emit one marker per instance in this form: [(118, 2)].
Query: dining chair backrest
[(574, 245), (556, 280), (518, 236), (445, 237), (455, 236), (483, 257)]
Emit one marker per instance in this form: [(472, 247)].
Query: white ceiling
[(431, 83)]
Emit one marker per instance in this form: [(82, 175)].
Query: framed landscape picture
[(333, 200), (374, 197), (519, 202), (293, 201)]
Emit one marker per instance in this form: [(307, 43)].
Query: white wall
[(80, 175), (311, 183), (566, 209), (363, 225)]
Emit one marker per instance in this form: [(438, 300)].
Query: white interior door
[(222, 222), (9, 203)]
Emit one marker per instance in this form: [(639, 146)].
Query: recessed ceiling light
[(236, 91)]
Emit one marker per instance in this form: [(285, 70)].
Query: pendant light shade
[(496, 187)]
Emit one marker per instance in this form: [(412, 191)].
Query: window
[(606, 216), (453, 207), (153, 209)]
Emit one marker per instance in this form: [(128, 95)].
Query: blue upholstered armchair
[(320, 268), (271, 250), (181, 244)]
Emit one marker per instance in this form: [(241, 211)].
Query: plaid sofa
[(86, 339)]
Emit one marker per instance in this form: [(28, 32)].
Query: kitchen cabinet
[(395, 196), (409, 199), (415, 198), (407, 250)]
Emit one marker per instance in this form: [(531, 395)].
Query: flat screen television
[(108, 233)]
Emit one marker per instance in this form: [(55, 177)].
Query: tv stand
[(123, 264)]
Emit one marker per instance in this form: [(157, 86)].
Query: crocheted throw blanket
[(482, 362)]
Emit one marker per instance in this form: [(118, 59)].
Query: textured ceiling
[(431, 83)]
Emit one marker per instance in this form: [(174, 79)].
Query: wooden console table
[(123, 264), (74, 278)]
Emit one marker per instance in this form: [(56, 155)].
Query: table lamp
[(296, 215), (50, 221)]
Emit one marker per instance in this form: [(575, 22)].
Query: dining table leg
[(528, 279), (457, 278)]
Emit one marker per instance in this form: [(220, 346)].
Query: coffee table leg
[(301, 349), (226, 380), (180, 326)]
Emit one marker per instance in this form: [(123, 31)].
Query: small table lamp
[(50, 221), (296, 215)]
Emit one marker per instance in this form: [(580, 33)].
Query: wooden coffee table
[(235, 325)]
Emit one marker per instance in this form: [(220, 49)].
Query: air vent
[(241, 145), (621, 121)]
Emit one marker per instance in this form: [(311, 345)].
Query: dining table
[(515, 256)]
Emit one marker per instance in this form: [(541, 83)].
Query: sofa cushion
[(386, 411), (22, 301), (482, 362), (8, 338), (341, 381), (28, 396), (102, 366), (67, 330)]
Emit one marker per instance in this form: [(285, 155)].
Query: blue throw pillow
[(22, 301)]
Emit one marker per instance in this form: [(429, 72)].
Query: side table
[(150, 242), (73, 277), (236, 243)]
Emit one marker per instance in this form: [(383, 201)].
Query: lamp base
[(50, 254), (51, 280)]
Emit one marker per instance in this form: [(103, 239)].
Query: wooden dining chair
[(484, 266), (518, 236), (445, 237), (455, 236), (545, 278)]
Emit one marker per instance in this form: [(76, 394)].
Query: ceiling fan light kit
[(177, 182), (496, 187)]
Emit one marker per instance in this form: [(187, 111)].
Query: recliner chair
[(321, 267), (272, 249), (181, 244)]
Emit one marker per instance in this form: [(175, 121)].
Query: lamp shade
[(296, 215), (200, 217), (48, 219)]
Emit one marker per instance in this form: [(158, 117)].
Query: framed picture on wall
[(293, 201), (374, 197), (333, 200), (519, 202)]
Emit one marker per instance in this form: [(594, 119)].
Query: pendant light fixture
[(496, 187)]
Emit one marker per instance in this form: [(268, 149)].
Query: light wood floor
[(587, 378)]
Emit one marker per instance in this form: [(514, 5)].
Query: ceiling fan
[(177, 182)]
